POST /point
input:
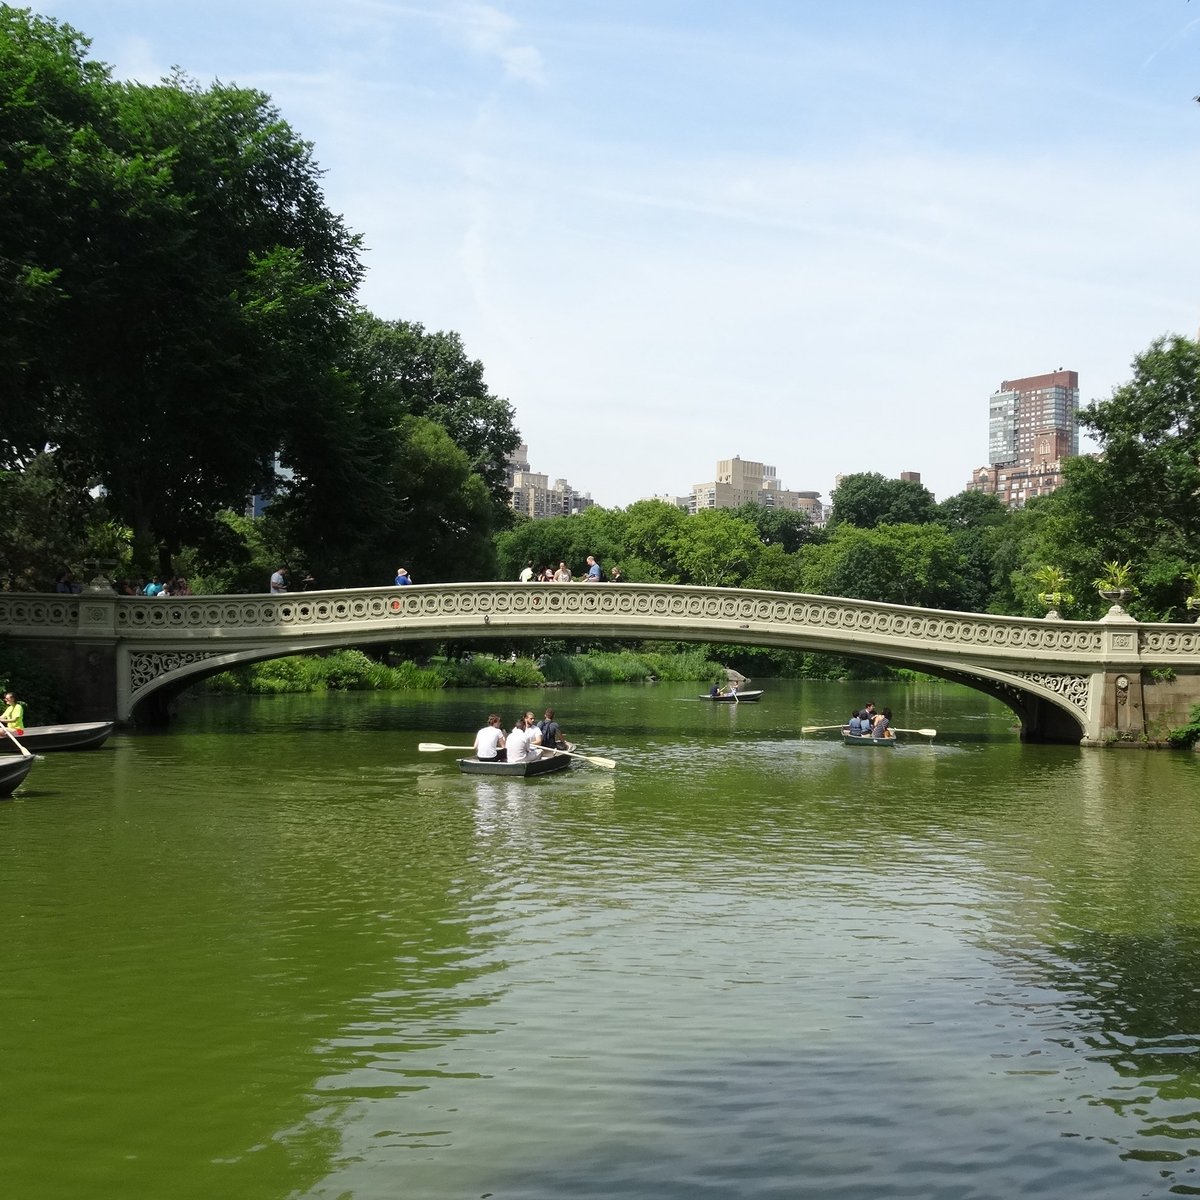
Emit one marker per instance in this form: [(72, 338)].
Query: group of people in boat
[(729, 689), (866, 722), (529, 739)]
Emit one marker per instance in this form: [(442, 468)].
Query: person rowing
[(552, 738), (881, 725), (13, 717), (489, 741)]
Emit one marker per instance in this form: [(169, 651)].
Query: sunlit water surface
[(279, 952)]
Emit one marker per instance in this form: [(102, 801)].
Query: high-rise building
[(532, 494), (1032, 429), (740, 481)]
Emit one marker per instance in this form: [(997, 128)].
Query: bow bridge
[(1068, 681)]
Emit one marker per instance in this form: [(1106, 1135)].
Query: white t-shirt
[(518, 740), (487, 741), (522, 745), (526, 574)]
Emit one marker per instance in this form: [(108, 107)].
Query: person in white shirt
[(563, 574), (524, 741), (527, 572), (489, 741)]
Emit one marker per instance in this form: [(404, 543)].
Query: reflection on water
[(278, 952)]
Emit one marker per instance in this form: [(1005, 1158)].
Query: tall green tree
[(184, 290), (869, 499), (47, 515), (780, 527), (716, 549), (976, 521), (896, 564), (404, 369)]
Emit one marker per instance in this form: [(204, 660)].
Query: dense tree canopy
[(183, 288), (897, 564), (180, 317), (403, 368), (868, 499)]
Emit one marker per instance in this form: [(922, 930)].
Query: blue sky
[(815, 235)]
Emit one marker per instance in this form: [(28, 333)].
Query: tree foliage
[(179, 316), (44, 514), (868, 499), (402, 368), (182, 288), (896, 564)]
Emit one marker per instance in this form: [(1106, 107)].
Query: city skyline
[(818, 234)]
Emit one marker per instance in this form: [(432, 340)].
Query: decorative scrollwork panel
[(146, 667), (1073, 688)]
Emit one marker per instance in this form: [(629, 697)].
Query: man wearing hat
[(402, 579)]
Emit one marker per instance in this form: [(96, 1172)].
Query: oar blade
[(608, 764)]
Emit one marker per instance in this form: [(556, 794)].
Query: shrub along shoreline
[(352, 670)]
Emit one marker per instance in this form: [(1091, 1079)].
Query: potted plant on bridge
[(1054, 590), (1115, 583)]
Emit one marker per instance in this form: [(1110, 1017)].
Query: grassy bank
[(352, 670)]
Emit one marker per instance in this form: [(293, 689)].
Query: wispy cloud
[(493, 33)]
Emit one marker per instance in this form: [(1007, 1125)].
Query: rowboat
[(545, 765), (13, 772), (865, 739), (736, 697), (86, 735)]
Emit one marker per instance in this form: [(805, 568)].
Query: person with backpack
[(552, 737)]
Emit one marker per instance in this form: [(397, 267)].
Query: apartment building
[(532, 493), (1032, 430), (739, 481)]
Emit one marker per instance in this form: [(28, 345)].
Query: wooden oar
[(16, 741), (608, 763), (922, 732), (820, 728)]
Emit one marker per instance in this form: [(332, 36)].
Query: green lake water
[(277, 952)]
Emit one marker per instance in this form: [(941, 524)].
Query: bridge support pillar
[(1122, 708), (85, 674)]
